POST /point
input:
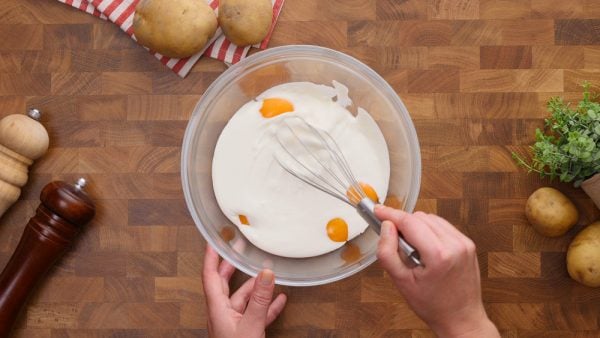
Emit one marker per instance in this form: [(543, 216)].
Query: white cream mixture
[(285, 216)]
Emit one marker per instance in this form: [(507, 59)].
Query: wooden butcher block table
[(475, 76)]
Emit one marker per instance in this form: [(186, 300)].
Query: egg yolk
[(275, 106), (351, 253), (393, 202), (227, 233), (337, 230), (354, 196), (244, 220)]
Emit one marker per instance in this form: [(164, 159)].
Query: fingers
[(240, 298), (386, 213), (432, 224), (211, 260), (276, 307), (387, 252), (226, 270), (260, 300), (449, 234), (451, 229), (414, 230), (210, 277)]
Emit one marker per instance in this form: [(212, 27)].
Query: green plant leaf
[(569, 145)]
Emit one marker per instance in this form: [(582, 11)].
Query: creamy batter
[(277, 212)]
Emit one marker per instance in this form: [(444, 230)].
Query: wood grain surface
[(475, 75)]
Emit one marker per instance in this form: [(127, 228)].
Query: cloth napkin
[(121, 13)]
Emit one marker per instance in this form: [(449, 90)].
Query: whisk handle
[(366, 208)]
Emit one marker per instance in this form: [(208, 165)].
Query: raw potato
[(174, 28), (245, 22), (583, 256), (550, 212)]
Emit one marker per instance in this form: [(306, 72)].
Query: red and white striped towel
[(121, 13)]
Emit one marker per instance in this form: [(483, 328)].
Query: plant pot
[(591, 186)]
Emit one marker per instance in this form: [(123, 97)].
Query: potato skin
[(245, 22), (550, 212), (583, 256), (174, 28)]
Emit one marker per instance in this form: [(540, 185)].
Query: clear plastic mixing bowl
[(242, 83)]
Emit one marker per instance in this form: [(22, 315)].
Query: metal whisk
[(312, 155)]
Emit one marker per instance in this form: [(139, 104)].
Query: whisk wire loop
[(325, 187), (322, 180), (312, 153), (338, 179), (354, 187)]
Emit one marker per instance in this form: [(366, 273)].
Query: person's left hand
[(248, 311)]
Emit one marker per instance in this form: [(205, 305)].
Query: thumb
[(387, 252), (258, 305)]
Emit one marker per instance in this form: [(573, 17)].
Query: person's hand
[(446, 292), (248, 311)]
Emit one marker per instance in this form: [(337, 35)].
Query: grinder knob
[(69, 202)]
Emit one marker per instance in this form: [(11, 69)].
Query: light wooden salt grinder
[(23, 139), (63, 212)]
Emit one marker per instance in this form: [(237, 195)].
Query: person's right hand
[(446, 291)]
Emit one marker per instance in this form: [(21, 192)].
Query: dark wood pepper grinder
[(63, 211)]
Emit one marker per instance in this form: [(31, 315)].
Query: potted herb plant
[(569, 146)]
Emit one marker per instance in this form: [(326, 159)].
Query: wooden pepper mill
[(23, 139), (63, 211)]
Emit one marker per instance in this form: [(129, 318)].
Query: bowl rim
[(296, 51)]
